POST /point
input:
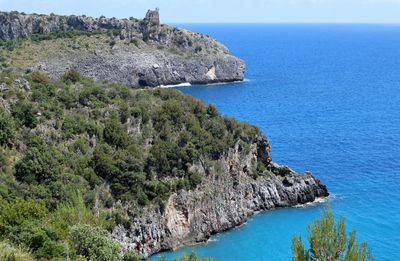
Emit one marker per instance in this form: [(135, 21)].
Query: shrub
[(39, 165), (131, 256), (115, 133), (93, 243), (25, 113), (73, 125), (102, 163), (40, 239), (198, 49), (38, 77), (71, 76), (135, 42), (19, 211), (195, 179), (7, 129)]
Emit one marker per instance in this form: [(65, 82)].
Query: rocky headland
[(228, 196), (138, 53)]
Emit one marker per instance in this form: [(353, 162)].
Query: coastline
[(317, 201), (224, 201), (188, 84)]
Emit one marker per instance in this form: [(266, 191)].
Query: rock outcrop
[(138, 53), (226, 198)]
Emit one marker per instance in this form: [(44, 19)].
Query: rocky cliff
[(226, 199), (137, 53)]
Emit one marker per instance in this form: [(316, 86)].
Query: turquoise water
[(328, 99)]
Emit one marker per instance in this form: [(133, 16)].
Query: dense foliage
[(73, 152), (329, 241)]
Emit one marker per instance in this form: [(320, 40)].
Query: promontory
[(138, 53)]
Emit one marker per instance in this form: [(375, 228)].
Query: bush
[(38, 77), (195, 179), (39, 165), (71, 76), (25, 113), (72, 125), (131, 256), (115, 133), (40, 239), (19, 211), (93, 243), (135, 42), (7, 129)]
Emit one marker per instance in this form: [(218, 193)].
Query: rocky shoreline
[(226, 199), (134, 52)]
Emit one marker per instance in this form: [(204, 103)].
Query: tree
[(329, 242)]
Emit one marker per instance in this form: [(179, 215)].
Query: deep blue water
[(328, 99)]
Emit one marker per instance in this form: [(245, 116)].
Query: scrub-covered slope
[(83, 163)]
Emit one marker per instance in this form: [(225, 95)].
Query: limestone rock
[(3, 87), (226, 198)]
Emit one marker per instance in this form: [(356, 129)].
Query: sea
[(327, 97)]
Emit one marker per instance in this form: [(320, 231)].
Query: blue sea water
[(328, 99)]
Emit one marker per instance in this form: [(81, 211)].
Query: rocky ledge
[(227, 198), (138, 53)]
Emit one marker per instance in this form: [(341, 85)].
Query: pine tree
[(329, 242)]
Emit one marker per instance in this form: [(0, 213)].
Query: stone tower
[(151, 25)]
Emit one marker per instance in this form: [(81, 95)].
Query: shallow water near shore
[(328, 99)]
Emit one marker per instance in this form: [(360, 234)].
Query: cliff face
[(227, 198), (138, 53)]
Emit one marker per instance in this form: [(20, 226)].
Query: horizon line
[(287, 23)]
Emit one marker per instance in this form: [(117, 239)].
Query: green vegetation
[(7, 129), (70, 149), (60, 34), (92, 243), (192, 257), (8, 252), (329, 241)]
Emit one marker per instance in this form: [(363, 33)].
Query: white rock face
[(227, 197), (211, 74)]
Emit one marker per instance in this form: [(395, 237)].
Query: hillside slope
[(151, 169), (137, 53)]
